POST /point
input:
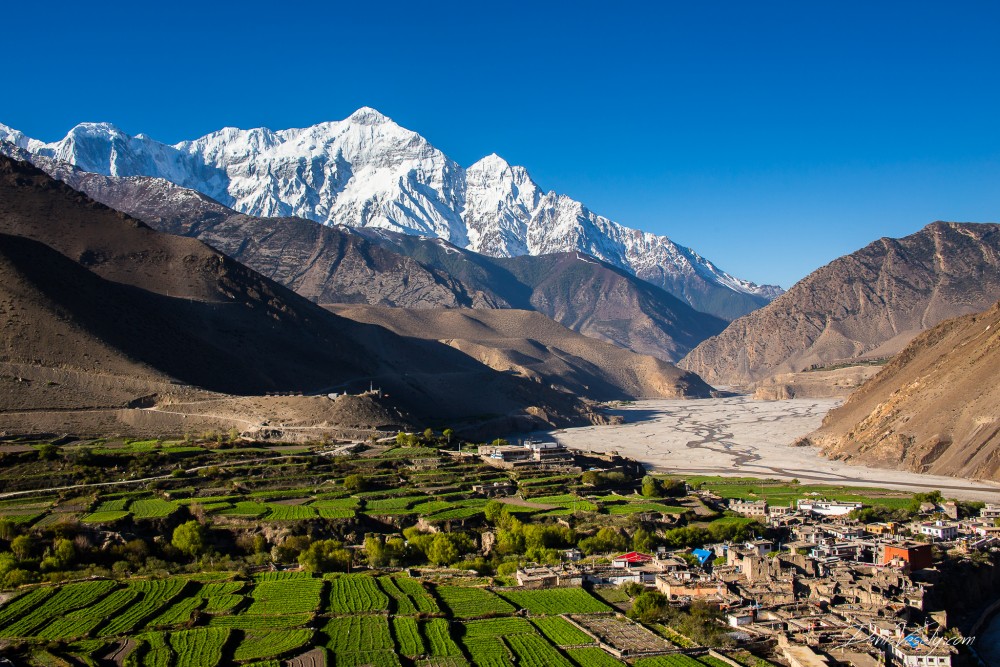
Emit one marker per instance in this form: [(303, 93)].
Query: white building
[(991, 511), (939, 530), (826, 507), (748, 507)]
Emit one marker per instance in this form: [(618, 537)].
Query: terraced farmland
[(561, 632), (465, 602), (271, 644), (296, 595), (534, 651), (66, 599), (556, 601), (352, 593)]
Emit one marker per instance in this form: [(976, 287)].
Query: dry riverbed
[(741, 436)]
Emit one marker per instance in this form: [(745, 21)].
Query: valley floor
[(741, 436)]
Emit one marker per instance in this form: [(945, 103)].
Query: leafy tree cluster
[(653, 487), (540, 543), (602, 480), (701, 622), (438, 548)]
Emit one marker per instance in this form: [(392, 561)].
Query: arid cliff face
[(934, 408), (868, 304)]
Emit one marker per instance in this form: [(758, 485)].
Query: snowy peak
[(368, 116), (367, 171)]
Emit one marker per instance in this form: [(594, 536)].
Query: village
[(834, 591)]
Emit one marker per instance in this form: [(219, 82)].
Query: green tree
[(448, 433), (48, 452), (442, 550), (633, 589), (651, 487), (64, 552), (428, 434), (376, 552), (643, 540), (8, 529), (326, 556), (22, 546), (649, 607), (190, 538), (355, 483)]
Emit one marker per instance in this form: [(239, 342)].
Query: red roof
[(635, 557)]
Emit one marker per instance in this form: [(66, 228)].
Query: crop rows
[(290, 513), (259, 646), (456, 513), (411, 601), (178, 613), (556, 601), (151, 650), (439, 639), (20, 606), (336, 504), (248, 510), (393, 505), (593, 657), (68, 598), (155, 594), (561, 632), (292, 596), (354, 634), (534, 651), (201, 647), (104, 517), (677, 660), (498, 627), (465, 602), (152, 508), (117, 505), (488, 652), (253, 623), (369, 659), (407, 634), (351, 593), (712, 661), (83, 621)]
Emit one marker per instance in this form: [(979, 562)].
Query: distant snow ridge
[(367, 171)]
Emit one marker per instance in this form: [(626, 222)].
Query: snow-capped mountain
[(367, 171)]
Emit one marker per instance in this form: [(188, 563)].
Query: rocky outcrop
[(533, 346), (368, 172), (934, 408), (868, 304), (89, 292), (343, 265)]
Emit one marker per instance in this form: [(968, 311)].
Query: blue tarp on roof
[(702, 555)]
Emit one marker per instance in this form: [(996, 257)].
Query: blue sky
[(771, 137)]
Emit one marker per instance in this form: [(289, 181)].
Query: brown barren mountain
[(934, 408), (99, 311), (868, 304), (340, 265), (534, 346)]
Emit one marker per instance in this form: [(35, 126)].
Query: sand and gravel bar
[(741, 436)]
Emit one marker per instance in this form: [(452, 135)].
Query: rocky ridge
[(344, 265), (367, 171), (935, 408), (866, 305)]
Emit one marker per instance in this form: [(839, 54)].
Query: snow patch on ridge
[(367, 171)]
